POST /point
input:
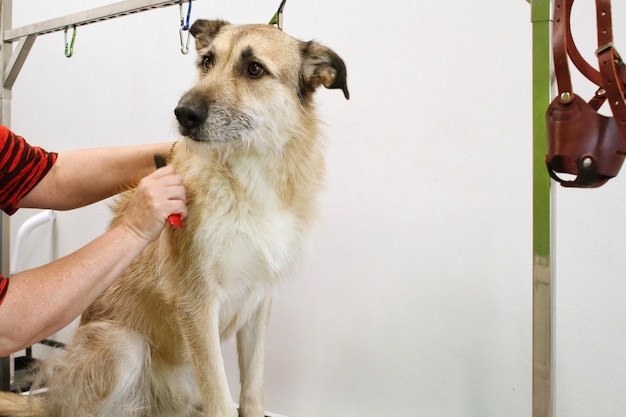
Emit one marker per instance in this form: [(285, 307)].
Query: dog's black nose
[(191, 115)]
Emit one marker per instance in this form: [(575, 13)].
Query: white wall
[(416, 298)]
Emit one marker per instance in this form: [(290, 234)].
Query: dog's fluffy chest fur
[(245, 224), (251, 229), (244, 230)]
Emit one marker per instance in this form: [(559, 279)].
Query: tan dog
[(253, 163)]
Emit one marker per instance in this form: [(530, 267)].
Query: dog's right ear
[(204, 31), (322, 66)]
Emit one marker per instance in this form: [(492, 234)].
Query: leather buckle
[(606, 47)]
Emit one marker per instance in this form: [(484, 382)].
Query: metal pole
[(543, 285)]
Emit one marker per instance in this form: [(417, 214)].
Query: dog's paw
[(200, 412), (249, 412)]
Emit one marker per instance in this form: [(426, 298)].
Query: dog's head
[(256, 83)]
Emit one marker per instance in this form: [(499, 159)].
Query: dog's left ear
[(322, 66)]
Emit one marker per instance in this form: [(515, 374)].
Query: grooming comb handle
[(173, 219)]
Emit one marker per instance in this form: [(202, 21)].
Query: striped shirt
[(21, 168), (4, 286)]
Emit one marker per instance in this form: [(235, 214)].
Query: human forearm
[(81, 177), (43, 300)]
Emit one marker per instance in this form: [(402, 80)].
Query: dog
[(252, 158)]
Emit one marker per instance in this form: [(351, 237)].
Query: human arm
[(43, 300), (85, 176)]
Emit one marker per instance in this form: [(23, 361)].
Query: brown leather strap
[(564, 46), (612, 75), (559, 47), (582, 142), (583, 66), (610, 64)]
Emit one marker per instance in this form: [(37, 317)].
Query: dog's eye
[(255, 70), (207, 62)]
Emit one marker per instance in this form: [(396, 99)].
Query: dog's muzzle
[(191, 114), (204, 120)]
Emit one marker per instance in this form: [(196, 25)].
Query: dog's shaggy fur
[(252, 161)]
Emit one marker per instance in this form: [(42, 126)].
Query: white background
[(416, 298)]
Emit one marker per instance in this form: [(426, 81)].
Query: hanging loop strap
[(69, 46), (582, 142), (184, 27)]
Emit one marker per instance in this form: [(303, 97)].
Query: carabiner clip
[(184, 27), (69, 47), (277, 19)]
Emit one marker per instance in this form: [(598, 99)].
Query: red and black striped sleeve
[(4, 286), (22, 166)]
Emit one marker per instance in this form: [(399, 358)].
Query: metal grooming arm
[(16, 44)]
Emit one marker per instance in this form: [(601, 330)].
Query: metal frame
[(543, 271), (16, 44)]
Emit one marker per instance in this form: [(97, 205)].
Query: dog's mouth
[(211, 122)]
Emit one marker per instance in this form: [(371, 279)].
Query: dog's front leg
[(201, 329), (251, 351)]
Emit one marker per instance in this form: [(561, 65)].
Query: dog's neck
[(293, 173)]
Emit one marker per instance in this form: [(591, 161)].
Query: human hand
[(157, 196)]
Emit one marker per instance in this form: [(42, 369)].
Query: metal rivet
[(566, 97), (587, 162)]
